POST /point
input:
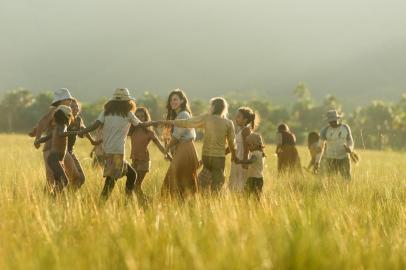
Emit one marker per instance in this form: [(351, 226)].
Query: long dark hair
[(119, 107), (283, 128), (171, 114), (147, 119), (251, 117)]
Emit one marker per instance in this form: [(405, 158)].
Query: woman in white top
[(246, 121), (181, 177)]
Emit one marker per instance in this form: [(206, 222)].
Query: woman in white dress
[(246, 121)]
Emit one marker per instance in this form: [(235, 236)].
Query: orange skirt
[(181, 178)]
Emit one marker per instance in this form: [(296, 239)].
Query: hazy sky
[(206, 47)]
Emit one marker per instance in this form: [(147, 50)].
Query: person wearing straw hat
[(62, 96), (115, 121), (337, 144)]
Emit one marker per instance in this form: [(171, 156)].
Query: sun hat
[(333, 115), (67, 111), (62, 94), (122, 94), (255, 139)]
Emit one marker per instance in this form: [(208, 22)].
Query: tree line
[(378, 125)]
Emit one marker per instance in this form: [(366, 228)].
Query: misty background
[(353, 49)]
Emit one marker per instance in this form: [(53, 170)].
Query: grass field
[(300, 224)]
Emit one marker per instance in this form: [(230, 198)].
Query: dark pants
[(55, 161), (338, 166), (129, 185), (216, 166), (253, 186)]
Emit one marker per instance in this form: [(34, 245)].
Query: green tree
[(13, 105)]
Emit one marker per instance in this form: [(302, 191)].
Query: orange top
[(140, 140)]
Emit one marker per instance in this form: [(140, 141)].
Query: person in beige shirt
[(218, 130)]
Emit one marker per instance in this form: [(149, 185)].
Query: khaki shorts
[(141, 166), (115, 166)]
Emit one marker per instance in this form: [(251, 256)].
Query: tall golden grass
[(305, 223)]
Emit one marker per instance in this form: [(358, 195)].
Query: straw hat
[(61, 94), (333, 115), (122, 94), (67, 111)]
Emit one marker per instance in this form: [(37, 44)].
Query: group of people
[(121, 118)]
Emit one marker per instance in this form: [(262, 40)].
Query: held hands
[(95, 143), (347, 149), (168, 156)]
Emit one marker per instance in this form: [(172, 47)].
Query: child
[(97, 152), (255, 172), (313, 144), (246, 121), (116, 119), (61, 97), (288, 156), (59, 140), (77, 125), (140, 139)]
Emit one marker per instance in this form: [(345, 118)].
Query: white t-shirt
[(335, 139), (115, 131), (256, 169)]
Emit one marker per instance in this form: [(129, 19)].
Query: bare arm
[(62, 132), (160, 146), (193, 122), (248, 161), (147, 124), (44, 123), (319, 156), (158, 143), (44, 139), (91, 128)]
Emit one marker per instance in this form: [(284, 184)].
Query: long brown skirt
[(289, 160), (181, 178)]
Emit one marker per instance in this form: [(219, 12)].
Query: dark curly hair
[(119, 107), (147, 119), (61, 119)]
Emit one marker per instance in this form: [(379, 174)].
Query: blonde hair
[(219, 106)]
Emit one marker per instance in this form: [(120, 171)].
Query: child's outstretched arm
[(62, 132), (90, 128), (160, 146), (147, 124), (43, 139)]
